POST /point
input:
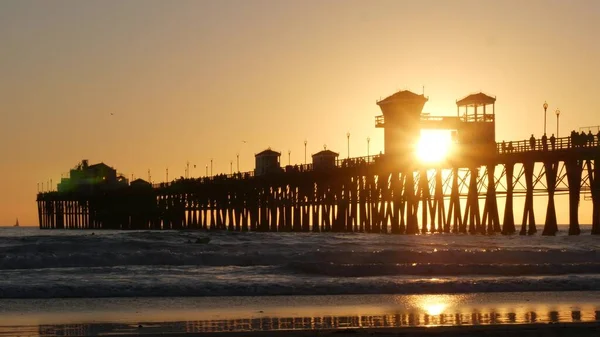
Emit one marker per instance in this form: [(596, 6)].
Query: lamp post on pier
[(557, 112), (348, 136), (545, 109), (368, 148), (289, 157), (305, 142), (238, 161), (231, 167), (211, 167)]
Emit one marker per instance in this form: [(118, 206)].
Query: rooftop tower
[(401, 122)]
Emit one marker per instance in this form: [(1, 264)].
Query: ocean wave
[(436, 269), (142, 263), (307, 260), (329, 286), (308, 257)]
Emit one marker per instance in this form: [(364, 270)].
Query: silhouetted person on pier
[(510, 147), (553, 142), (598, 138), (583, 139), (532, 142), (503, 147), (590, 138), (574, 139), (545, 142)]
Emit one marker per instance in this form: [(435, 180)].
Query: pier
[(387, 193)]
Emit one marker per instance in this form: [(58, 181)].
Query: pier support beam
[(454, 213), (574, 170), (399, 204), (472, 215), (594, 176), (491, 219), (528, 214), (438, 206), (412, 226), (551, 225), (426, 201)]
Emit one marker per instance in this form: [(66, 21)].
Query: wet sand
[(522, 330), (486, 314)]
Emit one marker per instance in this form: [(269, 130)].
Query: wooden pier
[(389, 193), (358, 195)]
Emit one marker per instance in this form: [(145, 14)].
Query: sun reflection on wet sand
[(397, 320), (300, 313), (434, 305)]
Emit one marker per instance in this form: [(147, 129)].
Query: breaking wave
[(123, 264)]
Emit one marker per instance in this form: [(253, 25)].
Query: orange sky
[(189, 80)]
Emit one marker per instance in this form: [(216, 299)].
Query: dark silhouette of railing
[(538, 144), (339, 163)]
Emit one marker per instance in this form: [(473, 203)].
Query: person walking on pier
[(598, 138), (532, 142), (590, 138), (553, 142), (503, 147), (545, 142)]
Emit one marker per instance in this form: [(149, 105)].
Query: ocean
[(107, 281), (92, 264)]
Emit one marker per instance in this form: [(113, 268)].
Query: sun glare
[(435, 305), (434, 309), (433, 146)]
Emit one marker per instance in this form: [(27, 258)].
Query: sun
[(433, 146)]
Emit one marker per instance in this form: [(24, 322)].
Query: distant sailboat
[(16, 223)]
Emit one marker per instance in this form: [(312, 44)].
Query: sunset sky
[(190, 80)]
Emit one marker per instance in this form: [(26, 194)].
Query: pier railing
[(340, 163), (563, 143), (502, 148)]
